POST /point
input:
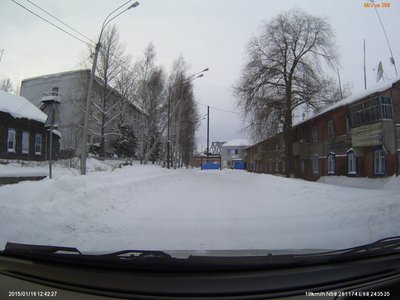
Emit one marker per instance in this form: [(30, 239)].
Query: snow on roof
[(55, 75), (237, 142), (19, 107), (355, 97)]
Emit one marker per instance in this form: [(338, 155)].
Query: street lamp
[(91, 81), (187, 80)]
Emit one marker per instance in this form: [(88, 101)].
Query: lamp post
[(91, 81), (187, 80)]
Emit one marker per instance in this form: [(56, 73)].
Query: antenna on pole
[(387, 40), (365, 73), (1, 54), (340, 86)]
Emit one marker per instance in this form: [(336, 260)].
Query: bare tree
[(150, 96), (285, 73), (184, 119), (107, 101)]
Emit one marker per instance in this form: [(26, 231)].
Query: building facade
[(72, 90), (23, 135), (232, 154), (358, 136)]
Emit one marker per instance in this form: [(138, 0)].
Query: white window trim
[(315, 158), (25, 133), (36, 152), (11, 150), (354, 159), (379, 169), (331, 158)]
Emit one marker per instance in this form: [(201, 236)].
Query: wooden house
[(23, 135)]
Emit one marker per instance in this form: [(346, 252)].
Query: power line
[(70, 34), (220, 109), (51, 23), (387, 40), (46, 12)]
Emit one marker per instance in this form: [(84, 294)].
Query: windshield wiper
[(160, 260), (382, 246), (16, 248)]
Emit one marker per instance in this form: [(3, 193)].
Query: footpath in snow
[(148, 207)]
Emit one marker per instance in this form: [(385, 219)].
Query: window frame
[(351, 154), (25, 142), (331, 159), (38, 135), (14, 140), (315, 164), (379, 162), (314, 134), (331, 129)]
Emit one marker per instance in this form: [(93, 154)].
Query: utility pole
[(365, 72), (168, 137), (187, 80), (208, 130), (91, 81)]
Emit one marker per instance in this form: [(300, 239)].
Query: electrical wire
[(387, 40), (51, 23), (51, 15), (220, 109)]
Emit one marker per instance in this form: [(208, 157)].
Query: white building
[(72, 89), (232, 152)]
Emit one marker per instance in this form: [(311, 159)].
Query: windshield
[(224, 128)]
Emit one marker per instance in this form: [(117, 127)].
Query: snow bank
[(147, 207), (392, 183)]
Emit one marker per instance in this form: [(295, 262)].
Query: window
[(379, 161), (371, 111), (315, 163), (314, 134), (25, 142), (351, 163), (331, 163), (348, 126), (302, 166), (38, 144), (387, 112), (331, 130), (11, 140)]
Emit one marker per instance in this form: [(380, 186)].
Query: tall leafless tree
[(150, 96), (286, 73), (111, 67), (184, 120)]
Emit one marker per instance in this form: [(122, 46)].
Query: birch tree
[(106, 100), (150, 96)]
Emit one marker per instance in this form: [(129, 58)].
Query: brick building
[(357, 136)]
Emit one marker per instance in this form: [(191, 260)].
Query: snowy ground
[(147, 207)]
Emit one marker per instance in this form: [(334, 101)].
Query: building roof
[(98, 80), (19, 107), (237, 142), (355, 97)]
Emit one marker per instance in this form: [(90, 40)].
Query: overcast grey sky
[(208, 33)]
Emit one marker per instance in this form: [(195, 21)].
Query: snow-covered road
[(147, 207)]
